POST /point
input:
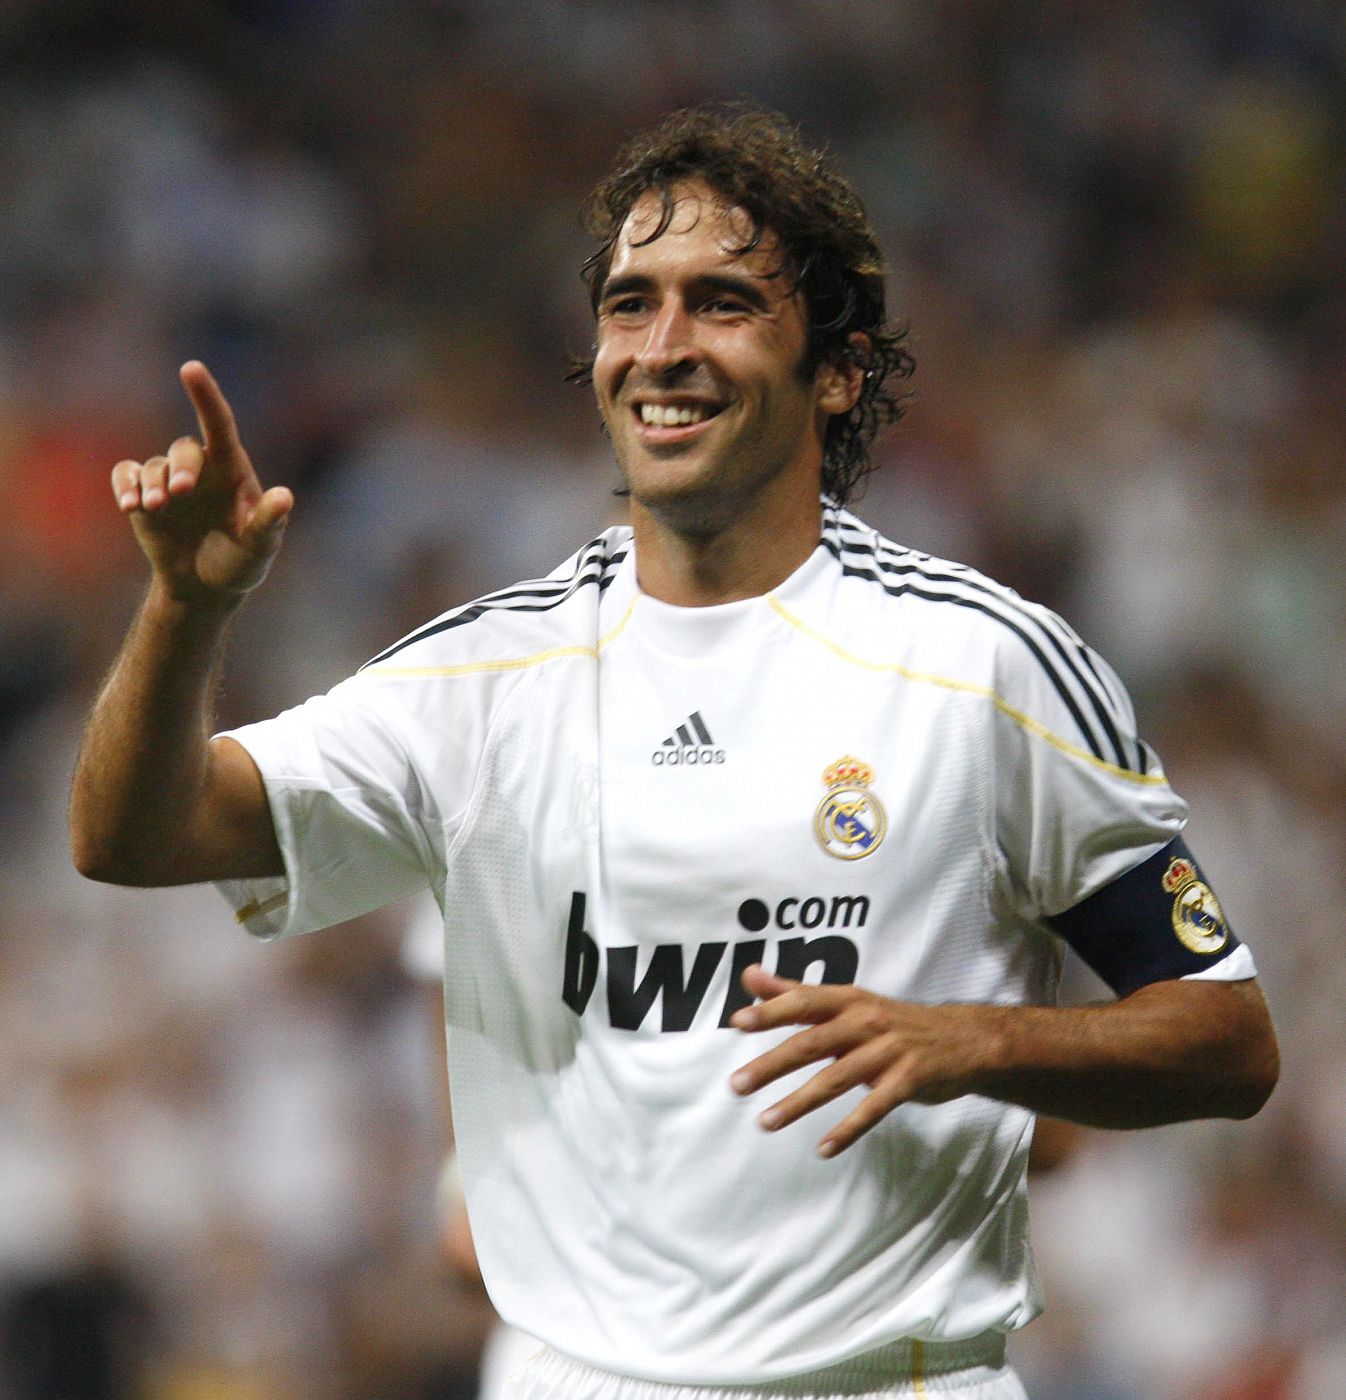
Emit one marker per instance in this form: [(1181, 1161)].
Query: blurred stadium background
[(1118, 232)]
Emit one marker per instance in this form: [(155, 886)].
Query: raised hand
[(199, 512), (904, 1052)]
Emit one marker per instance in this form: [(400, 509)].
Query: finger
[(185, 461), (219, 430), (800, 1004), (126, 485), (825, 1086), (761, 983), (825, 1042), (154, 484), (870, 1111)]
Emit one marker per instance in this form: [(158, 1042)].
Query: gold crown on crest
[(1179, 873), (848, 772)]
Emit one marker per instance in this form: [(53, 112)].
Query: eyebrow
[(745, 287)]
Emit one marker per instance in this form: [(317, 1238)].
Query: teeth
[(667, 416)]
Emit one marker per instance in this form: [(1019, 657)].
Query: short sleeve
[(1079, 798), (1088, 827), (349, 810)]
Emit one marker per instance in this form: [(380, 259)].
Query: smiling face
[(699, 368)]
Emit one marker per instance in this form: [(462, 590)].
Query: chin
[(654, 479), (688, 507)]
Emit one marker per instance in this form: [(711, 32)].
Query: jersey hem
[(909, 1361)]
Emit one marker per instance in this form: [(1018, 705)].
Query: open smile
[(667, 422)]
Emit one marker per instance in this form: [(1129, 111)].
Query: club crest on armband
[(850, 821), (1198, 919)]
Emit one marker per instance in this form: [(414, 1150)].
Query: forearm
[(1168, 1052), (1171, 1050), (142, 767)]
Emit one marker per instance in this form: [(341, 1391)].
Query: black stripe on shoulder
[(1071, 653), (899, 589), (593, 566), (1143, 753)]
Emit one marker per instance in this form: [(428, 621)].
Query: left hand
[(904, 1051)]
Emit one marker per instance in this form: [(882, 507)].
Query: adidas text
[(670, 757), (689, 744)]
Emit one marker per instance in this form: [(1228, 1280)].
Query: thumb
[(270, 514)]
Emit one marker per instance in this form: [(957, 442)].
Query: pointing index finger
[(219, 431)]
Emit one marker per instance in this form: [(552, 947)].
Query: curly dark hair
[(758, 161)]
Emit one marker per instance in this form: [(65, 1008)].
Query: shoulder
[(900, 573), (962, 625), (943, 606), (515, 625)]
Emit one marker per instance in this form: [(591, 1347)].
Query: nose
[(670, 343)]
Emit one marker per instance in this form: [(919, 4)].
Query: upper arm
[(235, 835)]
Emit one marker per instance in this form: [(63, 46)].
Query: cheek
[(613, 345), (607, 373)]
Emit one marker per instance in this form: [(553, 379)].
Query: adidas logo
[(690, 743)]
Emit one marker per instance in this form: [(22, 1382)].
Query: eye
[(725, 306), (626, 306)]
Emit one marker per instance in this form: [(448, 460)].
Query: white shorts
[(908, 1370)]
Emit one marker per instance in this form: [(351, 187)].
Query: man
[(741, 768)]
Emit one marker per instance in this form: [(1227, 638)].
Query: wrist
[(1004, 1048), (195, 609)]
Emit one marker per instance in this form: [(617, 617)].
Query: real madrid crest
[(850, 821), (1198, 919)]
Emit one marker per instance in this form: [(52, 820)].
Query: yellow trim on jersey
[(1023, 720), (262, 906), (918, 1368), (518, 663)]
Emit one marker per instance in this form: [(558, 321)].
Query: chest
[(795, 780), (648, 826)]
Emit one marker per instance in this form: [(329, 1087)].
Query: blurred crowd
[(1118, 234)]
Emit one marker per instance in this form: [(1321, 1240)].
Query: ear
[(841, 378)]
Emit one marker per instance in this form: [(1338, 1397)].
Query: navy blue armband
[(1156, 922)]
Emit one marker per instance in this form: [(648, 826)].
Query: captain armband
[(1157, 922)]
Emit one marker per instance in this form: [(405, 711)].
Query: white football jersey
[(887, 771)]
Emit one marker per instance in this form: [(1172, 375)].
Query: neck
[(744, 557)]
